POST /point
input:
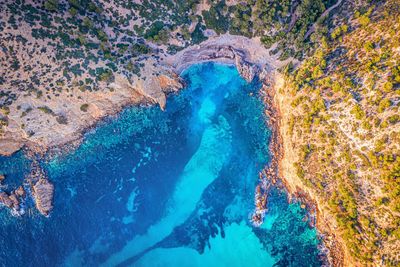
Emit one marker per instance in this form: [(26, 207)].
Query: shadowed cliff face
[(172, 188)]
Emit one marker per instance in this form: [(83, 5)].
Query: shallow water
[(173, 188)]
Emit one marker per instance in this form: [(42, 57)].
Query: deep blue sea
[(164, 188)]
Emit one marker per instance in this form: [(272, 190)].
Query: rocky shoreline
[(331, 250), (35, 187), (38, 187), (160, 78), (252, 61)]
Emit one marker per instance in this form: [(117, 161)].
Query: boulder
[(15, 201), (247, 70), (5, 200), (20, 192), (43, 192)]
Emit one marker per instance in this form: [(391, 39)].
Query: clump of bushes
[(46, 110), (84, 107), (51, 5)]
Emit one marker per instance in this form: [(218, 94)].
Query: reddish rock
[(15, 201), (247, 70), (43, 192), (20, 191), (5, 200), (2, 177)]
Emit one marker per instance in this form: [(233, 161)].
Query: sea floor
[(164, 188)]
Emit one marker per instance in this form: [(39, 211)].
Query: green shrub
[(383, 105), (336, 33), (46, 110), (364, 20), (394, 119), (214, 18), (5, 110), (51, 5), (73, 11), (102, 35), (358, 112), (387, 87), (105, 75), (154, 30), (368, 46), (84, 107)]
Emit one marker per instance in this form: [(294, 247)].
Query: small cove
[(172, 188)]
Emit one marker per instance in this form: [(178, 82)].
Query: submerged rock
[(43, 192)]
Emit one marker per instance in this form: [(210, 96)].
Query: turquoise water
[(172, 188)]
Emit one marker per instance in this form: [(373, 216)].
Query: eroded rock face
[(10, 144), (5, 200), (224, 53), (247, 70), (43, 192), (15, 201), (11, 201)]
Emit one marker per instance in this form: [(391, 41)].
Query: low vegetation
[(345, 130)]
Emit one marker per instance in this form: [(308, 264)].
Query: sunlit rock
[(43, 194)]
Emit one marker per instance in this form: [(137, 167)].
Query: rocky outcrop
[(247, 70), (20, 192), (9, 143), (43, 192), (14, 200), (5, 200), (40, 189)]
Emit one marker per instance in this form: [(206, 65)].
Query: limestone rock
[(5, 200), (20, 192), (247, 70), (15, 201), (43, 192), (10, 144)]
